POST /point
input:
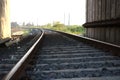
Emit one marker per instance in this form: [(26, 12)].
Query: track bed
[(63, 58)]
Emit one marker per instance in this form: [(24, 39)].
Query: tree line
[(74, 29), (15, 24)]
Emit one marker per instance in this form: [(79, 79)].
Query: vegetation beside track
[(72, 29), (19, 31)]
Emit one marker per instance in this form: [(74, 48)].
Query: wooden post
[(5, 29)]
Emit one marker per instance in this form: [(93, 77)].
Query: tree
[(29, 24), (14, 24), (23, 24), (58, 24)]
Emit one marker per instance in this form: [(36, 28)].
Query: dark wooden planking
[(99, 34), (87, 15), (112, 35), (108, 10), (95, 33), (107, 34), (92, 14), (113, 9), (95, 12), (92, 10), (103, 9), (98, 31), (117, 36), (96, 19), (104, 23), (115, 33), (91, 32), (86, 32), (90, 6), (118, 9), (99, 9), (88, 12), (102, 36)]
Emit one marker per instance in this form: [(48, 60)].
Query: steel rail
[(17, 70), (114, 49)]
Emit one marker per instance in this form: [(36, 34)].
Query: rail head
[(114, 49), (18, 68)]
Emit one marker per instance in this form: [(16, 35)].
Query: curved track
[(10, 56), (63, 58)]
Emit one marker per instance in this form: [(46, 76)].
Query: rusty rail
[(17, 70)]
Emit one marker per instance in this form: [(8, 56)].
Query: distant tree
[(32, 24), (14, 24), (29, 24), (48, 25), (23, 24), (58, 24)]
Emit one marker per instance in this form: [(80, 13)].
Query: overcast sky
[(48, 11)]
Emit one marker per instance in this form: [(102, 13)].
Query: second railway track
[(63, 58)]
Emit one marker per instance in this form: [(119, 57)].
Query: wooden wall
[(103, 20)]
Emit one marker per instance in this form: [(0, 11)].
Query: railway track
[(9, 56), (62, 58)]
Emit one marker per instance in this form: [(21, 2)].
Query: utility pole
[(64, 18), (37, 22), (69, 19)]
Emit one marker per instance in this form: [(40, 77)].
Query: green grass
[(26, 32), (72, 29)]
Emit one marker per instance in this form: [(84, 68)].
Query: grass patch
[(72, 29)]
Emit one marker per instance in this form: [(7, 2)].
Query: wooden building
[(103, 20)]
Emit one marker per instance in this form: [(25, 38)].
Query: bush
[(72, 29)]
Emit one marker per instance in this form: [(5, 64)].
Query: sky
[(48, 11)]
